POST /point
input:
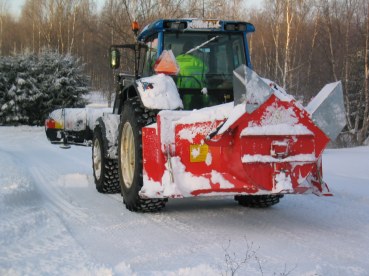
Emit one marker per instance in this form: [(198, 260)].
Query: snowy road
[(53, 221)]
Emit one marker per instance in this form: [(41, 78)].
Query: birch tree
[(2, 15), (363, 132)]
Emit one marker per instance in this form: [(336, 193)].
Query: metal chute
[(249, 88), (327, 109)]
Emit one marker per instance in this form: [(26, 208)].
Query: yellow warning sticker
[(198, 153)]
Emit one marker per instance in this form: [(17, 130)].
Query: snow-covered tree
[(33, 85)]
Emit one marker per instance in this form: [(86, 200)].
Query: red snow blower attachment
[(265, 143)]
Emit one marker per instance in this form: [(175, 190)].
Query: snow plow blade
[(72, 125), (266, 144)]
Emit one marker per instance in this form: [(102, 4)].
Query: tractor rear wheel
[(133, 118), (105, 170), (258, 201)]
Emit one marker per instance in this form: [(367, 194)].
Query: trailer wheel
[(258, 201), (134, 117), (105, 170)]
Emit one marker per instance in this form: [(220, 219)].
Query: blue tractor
[(173, 131)]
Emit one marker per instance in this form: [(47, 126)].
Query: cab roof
[(195, 24)]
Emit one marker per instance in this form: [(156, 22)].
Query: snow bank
[(199, 270), (124, 269), (96, 99)]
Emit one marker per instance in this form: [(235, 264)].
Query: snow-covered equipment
[(73, 125), (226, 132)]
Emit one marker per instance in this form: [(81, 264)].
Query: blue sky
[(15, 6)]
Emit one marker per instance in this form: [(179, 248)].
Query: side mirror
[(114, 57)]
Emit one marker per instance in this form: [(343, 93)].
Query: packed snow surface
[(54, 222)]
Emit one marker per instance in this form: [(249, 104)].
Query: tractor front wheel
[(257, 201), (133, 118)]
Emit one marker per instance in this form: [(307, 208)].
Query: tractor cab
[(206, 52)]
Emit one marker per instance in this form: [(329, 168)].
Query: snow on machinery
[(218, 130)]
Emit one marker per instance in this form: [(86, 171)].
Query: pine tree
[(32, 86)]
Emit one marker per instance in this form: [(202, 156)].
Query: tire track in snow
[(37, 232), (55, 196), (33, 240), (45, 176)]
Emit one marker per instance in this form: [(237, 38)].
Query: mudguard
[(109, 124), (159, 92)]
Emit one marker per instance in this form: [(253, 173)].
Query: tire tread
[(257, 201), (132, 200)]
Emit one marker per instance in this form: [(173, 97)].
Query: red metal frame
[(235, 163)]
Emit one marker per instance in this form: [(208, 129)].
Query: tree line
[(299, 44)]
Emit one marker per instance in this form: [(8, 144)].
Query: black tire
[(105, 170), (133, 118), (258, 201)]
